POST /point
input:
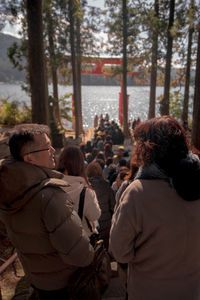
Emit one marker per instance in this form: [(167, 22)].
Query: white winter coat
[(91, 208)]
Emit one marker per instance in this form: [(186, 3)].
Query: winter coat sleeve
[(65, 229), (91, 206), (125, 228)]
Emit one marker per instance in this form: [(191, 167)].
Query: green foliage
[(13, 112), (176, 105), (65, 106)]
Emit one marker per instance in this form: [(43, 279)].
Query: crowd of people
[(144, 205)]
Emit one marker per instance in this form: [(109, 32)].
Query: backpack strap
[(80, 208), (81, 203)]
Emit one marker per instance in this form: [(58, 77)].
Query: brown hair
[(123, 173), (132, 170), (94, 169), (160, 140), (71, 159)]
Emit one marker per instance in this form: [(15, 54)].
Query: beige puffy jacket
[(42, 224)]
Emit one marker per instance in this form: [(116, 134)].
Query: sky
[(97, 3), (13, 30)]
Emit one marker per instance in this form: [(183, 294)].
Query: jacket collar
[(151, 171)]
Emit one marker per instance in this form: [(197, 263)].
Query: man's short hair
[(23, 135)]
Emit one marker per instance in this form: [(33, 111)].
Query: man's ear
[(27, 158)]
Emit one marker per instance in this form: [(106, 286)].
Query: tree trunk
[(36, 63), (187, 77), (152, 100), (125, 107), (196, 105), (78, 72), (73, 61), (53, 66), (164, 107)]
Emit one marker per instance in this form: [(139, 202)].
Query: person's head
[(133, 169), (94, 169), (71, 161), (108, 138), (100, 155), (82, 148), (99, 138), (162, 141), (100, 162), (108, 148), (94, 152), (89, 157), (89, 145), (109, 161), (123, 173), (30, 143), (120, 152), (122, 163)]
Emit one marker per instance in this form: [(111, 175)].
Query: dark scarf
[(151, 171), (185, 180)]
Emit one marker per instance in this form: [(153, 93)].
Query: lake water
[(96, 100)]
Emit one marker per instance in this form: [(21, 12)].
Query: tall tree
[(154, 59), (123, 28), (36, 62), (164, 107), (188, 65), (50, 24), (78, 70), (125, 108), (72, 10), (196, 103)]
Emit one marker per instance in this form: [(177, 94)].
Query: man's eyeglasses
[(46, 149)]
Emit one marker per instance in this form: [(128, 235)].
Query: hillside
[(7, 72)]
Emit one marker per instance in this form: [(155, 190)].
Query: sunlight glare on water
[(96, 100)]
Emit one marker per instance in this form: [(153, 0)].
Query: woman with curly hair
[(156, 227)]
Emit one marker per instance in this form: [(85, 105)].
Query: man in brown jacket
[(39, 215)]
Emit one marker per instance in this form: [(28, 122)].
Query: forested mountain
[(10, 74), (7, 71)]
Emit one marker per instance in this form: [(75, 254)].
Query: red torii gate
[(96, 66), (99, 64), (97, 69)]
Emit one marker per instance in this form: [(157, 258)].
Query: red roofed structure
[(96, 67)]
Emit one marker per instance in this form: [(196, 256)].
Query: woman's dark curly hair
[(162, 141)]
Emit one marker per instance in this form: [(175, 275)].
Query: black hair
[(23, 134)]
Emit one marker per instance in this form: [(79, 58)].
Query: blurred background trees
[(58, 36)]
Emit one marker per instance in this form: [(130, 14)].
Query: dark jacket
[(42, 224), (106, 199)]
